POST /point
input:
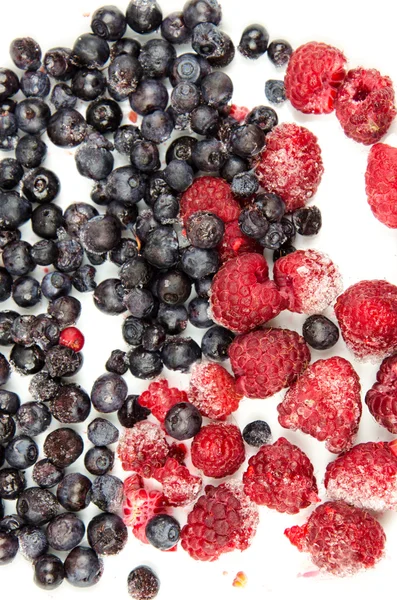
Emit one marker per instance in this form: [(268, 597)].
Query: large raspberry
[(143, 448), (234, 243), (213, 391), (280, 476), (222, 520), (242, 296), (381, 399), (211, 194), (364, 105), (139, 506), (159, 398), (325, 402), (314, 73), (291, 165), (367, 315), (218, 449), (308, 280), (381, 183), (267, 360), (340, 539), (179, 486), (365, 476)]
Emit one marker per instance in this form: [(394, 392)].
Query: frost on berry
[(213, 391), (143, 448), (308, 281), (340, 539), (381, 183), (325, 402), (211, 194), (381, 399), (159, 398), (139, 506), (179, 486), (234, 243), (218, 449)]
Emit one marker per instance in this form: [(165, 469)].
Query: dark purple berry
[(183, 421), (257, 434)]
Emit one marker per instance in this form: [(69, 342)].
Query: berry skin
[(267, 360), (143, 448), (308, 281), (234, 243), (218, 450), (159, 398), (242, 296), (210, 194), (182, 421), (325, 402), (140, 505), (143, 583), (340, 539), (291, 165), (381, 398), (319, 332), (179, 486), (280, 476), (213, 391), (365, 106), (71, 337), (380, 183)]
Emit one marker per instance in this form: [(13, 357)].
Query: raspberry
[(238, 112), (179, 486), (381, 183), (308, 280), (72, 338), (213, 391), (159, 398), (365, 476), (314, 73), (291, 165), (143, 448), (367, 316), (267, 360), (381, 399), (325, 402), (280, 476), (234, 243), (218, 449), (341, 539), (211, 194), (242, 296), (364, 105), (178, 451), (139, 506), (222, 520)]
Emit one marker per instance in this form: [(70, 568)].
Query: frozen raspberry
[(242, 296), (381, 399), (178, 451), (179, 486), (367, 316), (340, 539), (381, 183), (132, 483), (72, 338), (222, 520), (139, 506), (143, 448), (234, 243), (211, 194), (267, 360), (159, 398), (314, 73), (218, 449), (291, 165), (364, 105), (213, 391), (280, 476), (238, 112), (308, 280), (325, 402)]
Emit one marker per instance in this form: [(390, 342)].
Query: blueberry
[(204, 229), (179, 175), (87, 84), (76, 215), (108, 393), (32, 115), (32, 542), (284, 250), (209, 155), (320, 333), (6, 105), (145, 225), (11, 173), (9, 84), (107, 534), (254, 41), (126, 184), (135, 272), (65, 532), (107, 493), (8, 125), (201, 11), (117, 362), (157, 126), (21, 452), (44, 252), (264, 117), (140, 303), (253, 222), (271, 205), (83, 568), (58, 63), (7, 318), (247, 140), (90, 51), (174, 30), (288, 228), (84, 279), (124, 138), (55, 285), (124, 251), (11, 524), (189, 68), (213, 44), (275, 237), (46, 221), (245, 185), (307, 220), (74, 492), (217, 89), (96, 259), (108, 297), (198, 311), (144, 364), (204, 120), (150, 95), (27, 361), (124, 75), (153, 337), (162, 248), (94, 163), (71, 404), (45, 331), (132, 412), (66, 127), (61, 361), (104, 115), (156, 58), (9, 402), (37, 506), (4, 370), (35, 84), (132, 330), (125, 45), (163, 531), (166, 207), (183, 421), (143, 583), (48, 572), (275, 91), (99, 460), (173, 287), (17, 258), (8, 235), (30, 151), (8, 547), (5, 284), (46, 475), (22, 330), (25, 53), (14, 210), (12, 483), (203, 286), (199, 263), (63, 446), (257, 433), (179, 354), (109, 23), (26, 291), (279, 52), (33, 418), (173, 318), (215, 343), (185, 97), (102, 432), (101, 234), (7, 428), (66, 310), (144, 16)]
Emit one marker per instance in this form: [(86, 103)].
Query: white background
[(361, 246)]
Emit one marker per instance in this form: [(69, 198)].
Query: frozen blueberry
[(21, 452), (109, 23), (5, 284), (156, 58), (117, 362), (204, 120), (101, 234), (84, 279), (7, 236), (124, 75), (319, 332), (66, 310), (144, 16), (213, 44), (8, 547), (71, 405), (247, 140), (83, 568), (58, 63), (94, 163), (32, 542), (135, 272), (26, 291), (143, 583), (102, 432), (17, 258), (45, 331), (245, 185), (124, 251), (153, 337), (99, 460), (14, 210), (188, 67), (150, 95), (132, 412), (183, 421), (163, 531), (201, 11), (257, 433), (12, 483), (174, 30), (198, 311), (162, 248), (11, 523), (275, 91), (41, 185), (30, 151), (307, 220), (126, 184), (9, 402), (199, 263), (271, 206), (25, 53), (104, 115), (32, 115), (90, 51), (87, 84), (173, 318), (216, 342), (9, 84), (11, 173), (180, 354), (107, 534), (179, 175), (144, 364), (66, 127), (107, 493), (166, 208), (173, 287), (279, 52), (7, 428), (140, 303), (7, 318), (204, 229), (264, 117), (33, 418), (44, 252), (27, 361), (63, 446), (125, 137), (209, 155), (284, 250), (55, 285), (74, 492), (35, 84), (22, 330), (108, 393), (274, 238), (45, 474), (37, 506), (61, 361), (49, 572), (65, 532), (108, 297), (254, 41), (125, 45), (46, 221), (4, 369), (157, 126)]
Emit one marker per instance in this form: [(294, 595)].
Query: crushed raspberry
[(139, 506), (133, 117), (381, 183), (367, 316), (325, 402), (179, 486), (211, 194), (132, 483), (308, 281), (315, 72), (143, 448), (291, 165), (381, 399), (234, 243), (340, 539), (222, 520), (280, 476), (213, 391), (218, 449), (242, 296), (72, 338), (267, 360), (159, 398), (178, 451), (238, 112)]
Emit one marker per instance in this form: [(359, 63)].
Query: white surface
[(361, 246)]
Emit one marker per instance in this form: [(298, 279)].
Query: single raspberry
[(211, 194), (291, 165), (72, 338), (222, 520), (218, 449), (364, 105), (143, 448), (139, 506), (280, 476), (267, 360), (367, 316), (159, 398), (234, 243), (242, 296), (179, 486), (325, 402), (213, 391), (381, 183), (340, 539), (238, 113), (308, 280), (381, 399), (314, 73)]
